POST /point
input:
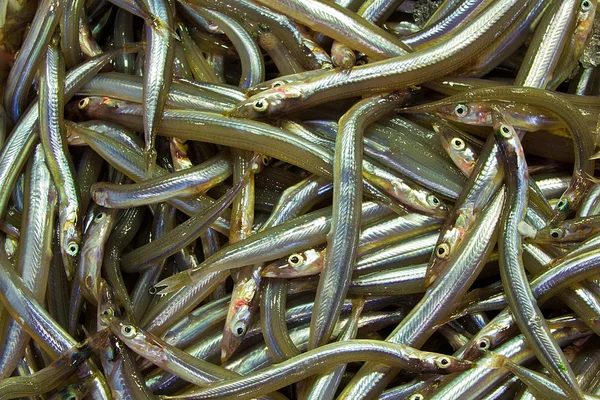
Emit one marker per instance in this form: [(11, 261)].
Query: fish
[(280, 199)]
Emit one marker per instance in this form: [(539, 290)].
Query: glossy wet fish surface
[(299, 199)]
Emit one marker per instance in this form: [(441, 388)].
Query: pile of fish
[(299, 199)]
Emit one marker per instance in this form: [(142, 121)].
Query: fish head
[(306, 263), (136, 339), (236, 326), (107, 304), (270, 102), (460, 151), (472, 113), (444, 364), (70, 239)]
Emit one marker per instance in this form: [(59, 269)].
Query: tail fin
[(174, 283)]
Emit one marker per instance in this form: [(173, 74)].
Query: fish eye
[(433, 201), (296, 260), (128, 331), (442, 251), (484, 344), (505, 131), (586, 5), (84, 103), (266, 160), (457, 144), (461, 110), (239, 329), (562, 205), (72, 249), (556, 233), (416, 396), (443, 362), (108, 311), (260, 105), (99, 216), (277, 84)]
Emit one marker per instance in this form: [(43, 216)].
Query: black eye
[(562, 205), (443, 250), (129, 331), (586, 5), (458, 144), (239, 329), (72, 249), (555, 233), (442, 362), (100, 216), (295, 260), (460, 110), (433, 200), (260, 105)]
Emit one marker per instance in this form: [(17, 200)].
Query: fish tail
[(174, 283)]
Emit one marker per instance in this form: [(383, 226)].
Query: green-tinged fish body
[(160, 54), (528, 316), (53, 139)]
